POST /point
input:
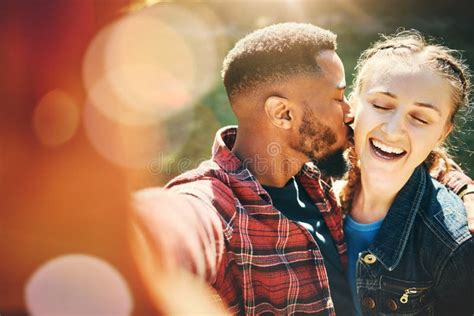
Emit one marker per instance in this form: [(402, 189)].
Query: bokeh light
[(203, 31), (56, 118), (77, 284), (143, 75), (137, 85), (150, 64), (128, 146)]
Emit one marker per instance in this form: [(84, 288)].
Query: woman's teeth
[(385, 151)]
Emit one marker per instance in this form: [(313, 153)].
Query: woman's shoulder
[(443, 211)]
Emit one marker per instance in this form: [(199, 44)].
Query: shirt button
[(368, 302), (392, 305), (369, 258)]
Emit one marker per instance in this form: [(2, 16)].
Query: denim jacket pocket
[(403, 297)]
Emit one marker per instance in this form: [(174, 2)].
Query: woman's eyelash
[(420, 120), (378, 107), (382, 108)]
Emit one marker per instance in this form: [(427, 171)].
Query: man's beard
[(334, 165), (315, 142)]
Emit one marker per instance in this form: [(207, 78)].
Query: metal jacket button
[(392, 305), (369, 258), (368, 302)]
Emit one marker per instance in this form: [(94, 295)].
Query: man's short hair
[(273, 54)]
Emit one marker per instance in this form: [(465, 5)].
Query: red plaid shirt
[(257, 259)]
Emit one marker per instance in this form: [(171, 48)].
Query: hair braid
[(352, 181)]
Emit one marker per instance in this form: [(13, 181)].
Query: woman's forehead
[(418, 84), (399, 70)]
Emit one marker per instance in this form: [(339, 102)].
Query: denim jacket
[(422, 259)]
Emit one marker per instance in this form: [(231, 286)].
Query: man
[(259, 221)]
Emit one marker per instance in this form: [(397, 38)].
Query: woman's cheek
[(423, 140), (363, 120)]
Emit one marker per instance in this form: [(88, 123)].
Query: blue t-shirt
[(358, 237)]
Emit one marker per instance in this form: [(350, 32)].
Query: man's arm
[(183, 227), (172, 235), (463, 186)]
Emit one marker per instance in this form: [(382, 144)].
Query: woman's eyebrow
[(429, 106), (386, 93)]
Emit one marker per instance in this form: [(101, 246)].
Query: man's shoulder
[(206, 171), (209, 183)]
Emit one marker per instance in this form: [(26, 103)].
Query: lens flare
[(129, 146), (152, 63), (203, 31), (77, 284), (55, 118), (143, 75)]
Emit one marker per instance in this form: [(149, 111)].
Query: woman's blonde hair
[(445, 61)]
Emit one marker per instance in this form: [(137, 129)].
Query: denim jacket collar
[(399, 221)]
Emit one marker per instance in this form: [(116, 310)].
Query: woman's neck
[(371, 202)]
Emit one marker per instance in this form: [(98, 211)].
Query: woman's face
[(400, 115)]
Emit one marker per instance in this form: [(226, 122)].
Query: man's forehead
[(332, 67), (329, 58)]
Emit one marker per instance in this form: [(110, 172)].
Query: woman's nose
[(393, 126)]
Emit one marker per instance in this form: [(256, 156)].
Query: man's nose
[(347, 110)]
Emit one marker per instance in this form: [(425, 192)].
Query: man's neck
[(269, 161)]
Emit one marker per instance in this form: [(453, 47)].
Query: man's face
[(323, 132), (319, 143)]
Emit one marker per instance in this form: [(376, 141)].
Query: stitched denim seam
[(438, 232), (415, 206)]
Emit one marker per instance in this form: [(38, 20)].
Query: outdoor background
[(104, 97), (357, 24)]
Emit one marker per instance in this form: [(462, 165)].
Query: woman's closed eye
[(380, 107), (420, 120)]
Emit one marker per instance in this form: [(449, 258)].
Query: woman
[(410, 251)]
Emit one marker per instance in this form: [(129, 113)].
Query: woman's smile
[(384, 151)]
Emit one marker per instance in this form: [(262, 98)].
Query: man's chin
[(333, 165)]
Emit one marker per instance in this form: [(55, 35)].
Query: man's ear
[(279, 112)]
